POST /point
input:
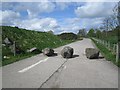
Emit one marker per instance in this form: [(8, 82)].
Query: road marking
[(27, 68)]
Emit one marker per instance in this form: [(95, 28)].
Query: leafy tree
[(81, 33), (98, 34), (68, 36), (91, 33), (51, 32)]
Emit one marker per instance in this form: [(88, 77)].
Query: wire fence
[(110, 46), (113, 47)]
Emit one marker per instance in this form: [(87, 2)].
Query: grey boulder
[(48, 52), (92, 53), (67, 52)]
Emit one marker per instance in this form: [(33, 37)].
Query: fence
[(110, 46)]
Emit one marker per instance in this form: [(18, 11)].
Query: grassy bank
[(15, 58), (19, 57), (107, 53), (25, 40)]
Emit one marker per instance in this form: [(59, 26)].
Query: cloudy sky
[(57, 16)]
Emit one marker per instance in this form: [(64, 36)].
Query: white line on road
[(25, 69)]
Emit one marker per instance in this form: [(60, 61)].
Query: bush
[(68, 36)]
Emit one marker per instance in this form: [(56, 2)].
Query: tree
[(68, 36), (106, 25), (111, 22), (82, 33), (98, 33), (91, 33), (51, 32), (118, 16)]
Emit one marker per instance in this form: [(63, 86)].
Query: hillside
[(68, 36), (27, 39)]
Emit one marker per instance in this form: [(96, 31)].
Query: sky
[(59, 17)]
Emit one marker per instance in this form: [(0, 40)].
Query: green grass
[(107, 53), (19, 57), (27, 39), (15, 58), (111, 39)]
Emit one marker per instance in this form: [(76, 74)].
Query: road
[(56, 72)]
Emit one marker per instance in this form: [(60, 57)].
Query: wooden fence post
[(114, 48), (117, 52), (106, 44), (109, 45)]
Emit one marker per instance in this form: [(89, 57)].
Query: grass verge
[(19, 57), (107, 53), (15, 58)]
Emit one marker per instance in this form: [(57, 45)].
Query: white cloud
[(8, 17), (63, 5), (70, 25), (91, 23), (72, 20), (44, 24), (73, 29), (74, 24), (90, 15), (95, 9), (46, 7), (53, 24), (33, 8)]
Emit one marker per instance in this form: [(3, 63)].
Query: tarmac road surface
[(56, 72)]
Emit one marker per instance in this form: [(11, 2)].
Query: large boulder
[(48, 52), (67, 52), (92, 53)]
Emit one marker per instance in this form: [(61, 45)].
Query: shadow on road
[(74, 56), (99, 58), (55, 54)]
